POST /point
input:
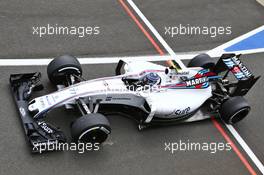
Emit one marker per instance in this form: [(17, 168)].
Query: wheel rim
[(70, 68), (94, 135), (60, 75), (67, 71), (239, 115)]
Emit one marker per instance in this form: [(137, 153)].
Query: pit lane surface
[(127, 151), (118, 34)]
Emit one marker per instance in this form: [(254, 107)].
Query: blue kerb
[(255, 41)]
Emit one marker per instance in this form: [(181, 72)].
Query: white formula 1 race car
[(152, 94)]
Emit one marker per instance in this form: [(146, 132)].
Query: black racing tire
[(234, 109), (60, 67), (202, 60), (90, 128)]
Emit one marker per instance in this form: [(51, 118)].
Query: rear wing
[(231, 63)]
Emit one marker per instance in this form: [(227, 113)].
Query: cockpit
[(142, 80)]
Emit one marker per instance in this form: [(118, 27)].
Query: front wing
[(38, 132)]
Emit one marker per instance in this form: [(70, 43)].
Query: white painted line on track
[(99, 60), (247, 149), (171, 52), (261, 2), (108, 60), (244, 52), (156, 34)]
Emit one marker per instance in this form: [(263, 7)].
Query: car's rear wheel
[(202, 60), (234, 109), (59, 68), (90, 128)]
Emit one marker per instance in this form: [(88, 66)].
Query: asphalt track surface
[(127, 151), (119, 35)]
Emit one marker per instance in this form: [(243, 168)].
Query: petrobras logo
[(180, 112), (196, 81)]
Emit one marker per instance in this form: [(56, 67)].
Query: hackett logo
[(196, 81)]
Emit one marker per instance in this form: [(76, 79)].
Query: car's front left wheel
[(59, 68)]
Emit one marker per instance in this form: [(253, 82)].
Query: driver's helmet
[(151, 79)]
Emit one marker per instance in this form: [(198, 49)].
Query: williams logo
[(45, 127), (22, 112), (196, 81)]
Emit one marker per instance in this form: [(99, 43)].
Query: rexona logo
[(196, 81)]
